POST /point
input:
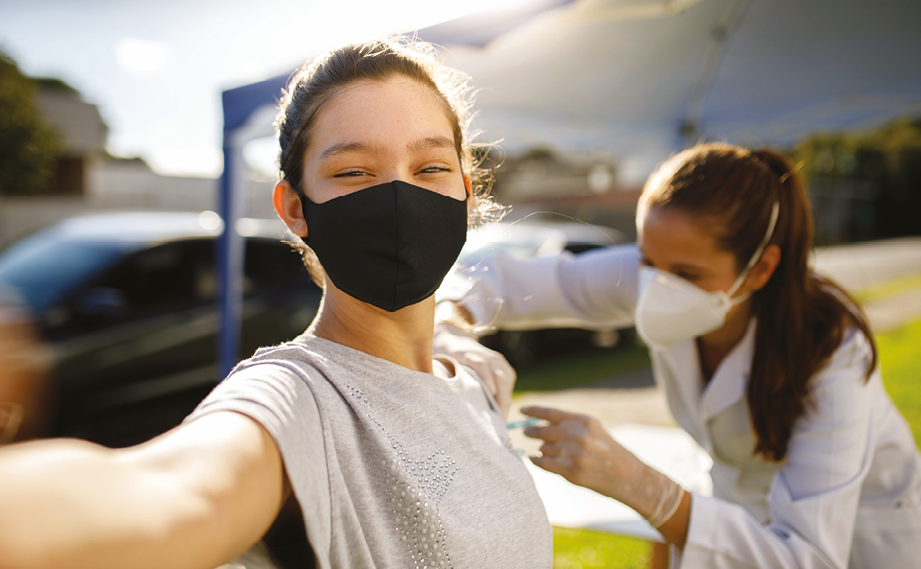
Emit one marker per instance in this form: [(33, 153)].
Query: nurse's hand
[(578, 448), (492, 367)]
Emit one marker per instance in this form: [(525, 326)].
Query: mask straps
[(775, 211)]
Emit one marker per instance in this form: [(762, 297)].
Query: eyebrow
[(428, 143), (432, 143), (691, 268)]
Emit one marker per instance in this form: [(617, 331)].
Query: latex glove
[(579, 448), (491, 366)]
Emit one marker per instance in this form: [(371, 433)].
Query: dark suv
[(126, 303)]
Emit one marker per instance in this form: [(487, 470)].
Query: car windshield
[(43, 270)]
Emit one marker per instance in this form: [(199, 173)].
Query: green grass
[(900, 357), (888, 289), (587, 549)]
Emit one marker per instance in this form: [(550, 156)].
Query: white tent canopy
[(639, 79)]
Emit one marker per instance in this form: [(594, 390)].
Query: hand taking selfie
[(24, 389)]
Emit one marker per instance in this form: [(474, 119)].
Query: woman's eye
[(434, 170), (349, 174), (689, 276)]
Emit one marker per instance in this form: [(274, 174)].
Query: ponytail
[(802, 317)]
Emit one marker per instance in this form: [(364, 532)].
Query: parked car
[(538, 238), (127, 305)]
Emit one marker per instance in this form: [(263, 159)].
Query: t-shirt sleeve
[(279, 397)]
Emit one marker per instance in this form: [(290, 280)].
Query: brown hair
[(318, 81), (802, 317)]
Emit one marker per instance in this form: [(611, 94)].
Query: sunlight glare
[(140, 57)]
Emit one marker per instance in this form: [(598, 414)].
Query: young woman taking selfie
[(396, 459)]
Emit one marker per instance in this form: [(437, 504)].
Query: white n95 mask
[(671, 309)]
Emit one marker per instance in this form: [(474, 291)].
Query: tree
[(29, 146), (883, 163)]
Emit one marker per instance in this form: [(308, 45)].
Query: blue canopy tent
[(639, 79), (241, 105)]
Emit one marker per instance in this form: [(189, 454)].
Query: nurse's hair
[(320, 80), (802, 316)]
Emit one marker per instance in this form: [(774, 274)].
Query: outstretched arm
[(24, 385), (197, 496), (596, 289)]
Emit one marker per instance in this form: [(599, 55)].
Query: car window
[(45, 270), (270, 264), (163, 278)]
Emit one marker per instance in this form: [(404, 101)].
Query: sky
[(621, 72), (157, 70)]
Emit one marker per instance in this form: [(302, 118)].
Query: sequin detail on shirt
[(415, 487)]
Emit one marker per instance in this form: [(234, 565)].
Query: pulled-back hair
[(318, 81), (802, 316)]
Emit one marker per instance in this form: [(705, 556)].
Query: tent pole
[(229, 264)]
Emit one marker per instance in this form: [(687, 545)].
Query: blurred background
[(112, 105), (116, 118)]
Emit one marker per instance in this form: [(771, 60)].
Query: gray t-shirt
[(392, 467)]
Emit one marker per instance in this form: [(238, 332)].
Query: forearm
[(675, 529), (655, 496), (580, 449), (196, 497), (69, 503)]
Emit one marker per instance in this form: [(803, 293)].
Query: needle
[(532, 422)]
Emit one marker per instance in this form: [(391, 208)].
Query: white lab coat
[(848, 493)]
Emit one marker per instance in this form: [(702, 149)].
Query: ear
[(762, 271), (288, 206), (467, 186)]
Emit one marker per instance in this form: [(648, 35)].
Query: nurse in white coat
[(770, 367)]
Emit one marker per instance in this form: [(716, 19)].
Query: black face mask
[(389, 245)]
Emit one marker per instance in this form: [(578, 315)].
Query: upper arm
[(602, 285), (217, 484)]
